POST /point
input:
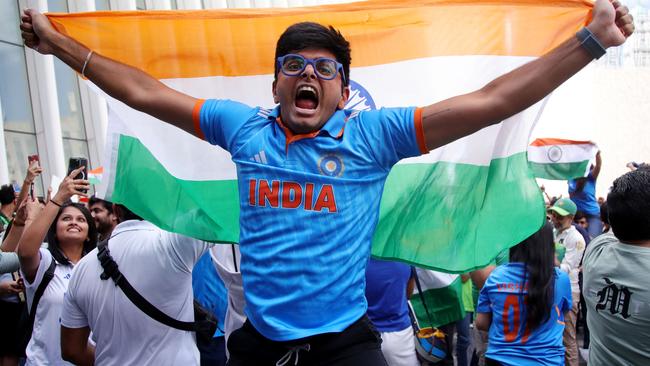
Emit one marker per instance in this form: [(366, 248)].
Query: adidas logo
[(260, 157)]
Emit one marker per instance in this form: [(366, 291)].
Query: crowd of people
[(102, 285)]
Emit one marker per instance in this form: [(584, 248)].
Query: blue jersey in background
[(510, 341)]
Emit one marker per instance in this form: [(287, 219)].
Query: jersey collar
[(333, 127)]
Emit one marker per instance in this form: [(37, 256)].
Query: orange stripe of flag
[(555, 141), (236, 42), (96, 171)]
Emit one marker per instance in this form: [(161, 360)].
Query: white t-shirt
[(158, 264), (575, 247), (44, 347)]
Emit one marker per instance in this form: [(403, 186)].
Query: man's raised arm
[(123, 82), (517, 90)]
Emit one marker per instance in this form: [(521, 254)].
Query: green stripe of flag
[(505, 208), (445, 305), (559, 171), (501, 206), (207, 210)]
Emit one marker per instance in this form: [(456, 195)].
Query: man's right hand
[(37, 31)]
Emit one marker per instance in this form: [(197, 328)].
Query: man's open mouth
[(306, 97)]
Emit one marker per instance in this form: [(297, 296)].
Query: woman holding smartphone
[(522, 305), (71, 234)]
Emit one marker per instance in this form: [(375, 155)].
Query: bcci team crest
[(331, 165), (554, 153)]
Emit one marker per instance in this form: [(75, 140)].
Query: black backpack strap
[(424, 303), (40, 290), (112, 271)]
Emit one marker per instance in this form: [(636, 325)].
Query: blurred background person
[(526, 323), (7, 206), (568, 237), (617, 290), (71, 234), (582, 192), (388, 286), (105, 219)]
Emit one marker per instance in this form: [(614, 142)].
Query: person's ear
[(276, 99), (345, 94)]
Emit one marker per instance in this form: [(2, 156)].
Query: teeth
[(307, 88)]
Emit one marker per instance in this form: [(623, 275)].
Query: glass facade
[(102, 5), (9, 21), (17, 115), (73, 129)]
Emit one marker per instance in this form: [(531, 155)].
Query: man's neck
[(638, 243)]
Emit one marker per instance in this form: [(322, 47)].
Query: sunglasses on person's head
[(325, 68)]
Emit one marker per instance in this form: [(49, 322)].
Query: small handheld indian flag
[(560, 159), (95, 175), (442, 295)]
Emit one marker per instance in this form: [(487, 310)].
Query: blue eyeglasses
[(325, 68)]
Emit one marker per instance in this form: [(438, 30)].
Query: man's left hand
[(612, 23)]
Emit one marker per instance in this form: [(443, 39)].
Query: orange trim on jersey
[(291, 137), (419, 131), (554, 141), (196, 118), (342, 129)]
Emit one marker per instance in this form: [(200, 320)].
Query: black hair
[(7, 194), (643, 166), (126, 214), (53, 243), (604, 213), (306, 35), (579, 215), (537, 252), (628, 206), (93, 200)]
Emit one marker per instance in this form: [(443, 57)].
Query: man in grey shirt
[(616, 289), (8, 262)]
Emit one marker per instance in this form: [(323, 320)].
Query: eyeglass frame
[(312, 62)]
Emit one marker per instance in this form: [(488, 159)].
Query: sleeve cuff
[(419, 131), (196, 118)]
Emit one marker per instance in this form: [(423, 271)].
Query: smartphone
[(75, 163), (30, 160)]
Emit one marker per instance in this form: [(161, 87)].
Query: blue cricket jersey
[(386, 283), (209, 290), (309, 207), (585, 199), (510, 341)]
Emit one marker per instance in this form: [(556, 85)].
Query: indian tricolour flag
[(95, 175), (440, 302), (453, 209), (561, 159)]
